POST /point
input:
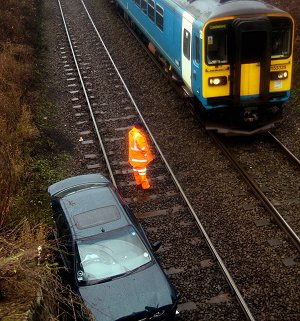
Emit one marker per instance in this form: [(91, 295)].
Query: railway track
[(265, 164), (222, 203), (187, 255)]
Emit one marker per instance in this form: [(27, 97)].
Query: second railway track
[(272, 172), (204, 292)]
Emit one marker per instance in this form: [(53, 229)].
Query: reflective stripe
[(140, 170), (138, 149), (135, 147), (138, 160)]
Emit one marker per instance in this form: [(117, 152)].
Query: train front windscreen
[(220, 42)]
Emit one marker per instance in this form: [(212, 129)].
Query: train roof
[(204, 10)]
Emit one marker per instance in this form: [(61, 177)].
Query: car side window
[(64, 240), (56, 209)]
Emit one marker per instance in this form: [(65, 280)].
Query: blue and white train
[(233, 57)]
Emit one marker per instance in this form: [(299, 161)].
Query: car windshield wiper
[(118, 276), (141, 267), (108, 279)]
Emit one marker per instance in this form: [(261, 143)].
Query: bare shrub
[(10, 172), (16, 121), (26, 129), (16, 20), (19, 274), (59, 302), (28, 269), (6, 185)]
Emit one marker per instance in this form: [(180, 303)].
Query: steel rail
[(87, 98), (285, 149), (260, 195), (201, 227)]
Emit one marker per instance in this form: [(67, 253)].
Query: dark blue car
[(107, 253)]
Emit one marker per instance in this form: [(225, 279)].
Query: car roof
[(75, 181), (90, 204)]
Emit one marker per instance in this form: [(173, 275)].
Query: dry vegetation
[(20, 257), (16, 72), (25, 271), (30, 286), (18, 246)]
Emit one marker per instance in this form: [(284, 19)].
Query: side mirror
[(156, 246)]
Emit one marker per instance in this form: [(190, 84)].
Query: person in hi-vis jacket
[(139, 154)]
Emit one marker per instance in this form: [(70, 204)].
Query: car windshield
[(110, 254)]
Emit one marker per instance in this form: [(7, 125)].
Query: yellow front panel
[(215, 91), (281, 65), (250, 79)]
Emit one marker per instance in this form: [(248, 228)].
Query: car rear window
[(97, 217)]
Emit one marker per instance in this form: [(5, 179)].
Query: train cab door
[(252, 59), (196, 61), (186, 48)]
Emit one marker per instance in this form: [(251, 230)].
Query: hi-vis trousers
[(140, 177)]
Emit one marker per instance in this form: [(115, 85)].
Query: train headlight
[(217, 81), (279, 75)]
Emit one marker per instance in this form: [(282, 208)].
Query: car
[(111, 263)]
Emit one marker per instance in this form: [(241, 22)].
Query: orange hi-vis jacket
[(139, 151)]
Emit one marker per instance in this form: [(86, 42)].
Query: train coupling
[(275, 109), (250, 116)]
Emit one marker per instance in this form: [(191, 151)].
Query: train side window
[(160, 17), (144, 6), (197, 50), (138, 2), (151, 9), (186, 43)]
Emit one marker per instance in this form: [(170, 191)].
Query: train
[(232, 58)]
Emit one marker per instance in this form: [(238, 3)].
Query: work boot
[(145, 185), (137, 178)]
